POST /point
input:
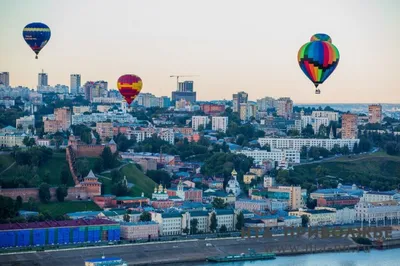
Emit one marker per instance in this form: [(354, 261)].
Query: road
[(171, 252), (5, 170)]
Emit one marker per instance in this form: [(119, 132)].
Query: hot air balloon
[(36, 35), (321, 37), (318, 59), (129, 86)]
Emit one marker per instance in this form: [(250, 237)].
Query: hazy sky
[(232, 45)]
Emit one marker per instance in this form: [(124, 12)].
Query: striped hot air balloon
[(129, 86), (36, 35), (318, 59)]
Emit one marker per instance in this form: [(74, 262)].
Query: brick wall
[(26, 193)]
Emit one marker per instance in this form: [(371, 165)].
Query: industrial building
[(58, 232)]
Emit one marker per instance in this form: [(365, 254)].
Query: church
[(233, 185)]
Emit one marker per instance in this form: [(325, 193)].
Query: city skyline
[(253, 49)]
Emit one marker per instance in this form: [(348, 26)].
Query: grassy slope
[(60, 208), (378, 167), (142, 182), (5, 161)]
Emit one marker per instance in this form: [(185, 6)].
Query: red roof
[(51, 224)]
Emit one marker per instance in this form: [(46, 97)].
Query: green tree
[(18, 203), (28, 142), (159, 176), (213, 222), (116, 176), (145, 217), (239, 221), (311, 203), (107, 157), (127, 218), (32, 205), (185, 230), (193, 226), (44, 193), (200, 128), (98, 165), (356, 149), (303, 152), (304, 220), (345, 150), (293, 133), (219, 203), (82, 167), (322, 131), (61, 193), (119, 189), (64, 175), (308, 131), (46, 177), (223, 229), (266, 147)]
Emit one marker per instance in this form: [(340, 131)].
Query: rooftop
[(171, 215), (224, 211), (387, 193), (198, 213), (138, 223), (318, 211)]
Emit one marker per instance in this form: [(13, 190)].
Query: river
[(374, 258)]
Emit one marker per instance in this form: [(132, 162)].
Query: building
[(277, 205), (199, 120), (332, 116), (258, 170), (80, 109), (25, 122), (337, 201), (374, 113), (105, 130), (292, 221), (344, 215), (269, 181), (328, 193), (43, 142), (317, 217), (185, 86), (247, 111), (103, 261), (315, 122), (102, 117), (61, 122), (248, 177), (170, 224), (12, 139), (182, 95), (297, 144), (219, 123), (166, 134), (372, 212), (276, 155), (376, 196), (187, 193), (81, 149), (284, 107), (238, 98), (349, 127), (295, 196), (224, 217), (95, 89), (212, 109), (5, 79), (75, 84), (202, 218), (139, 230), (265, 104), (251, 205), (42, 80), (58, 232), (160, 193)]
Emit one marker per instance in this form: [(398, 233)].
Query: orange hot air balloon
[(129, 86)]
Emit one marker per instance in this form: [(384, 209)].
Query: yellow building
[(317, 217), (247, 178)]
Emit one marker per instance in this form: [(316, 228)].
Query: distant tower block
[(124, 106)]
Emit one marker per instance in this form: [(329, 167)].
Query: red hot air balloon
[(129, 86)]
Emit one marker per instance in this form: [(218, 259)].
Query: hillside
[(142, 183), (377, 171)]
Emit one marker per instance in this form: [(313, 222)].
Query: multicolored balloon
[(36, 35), (318, 59), (129, 86), (321, 37)]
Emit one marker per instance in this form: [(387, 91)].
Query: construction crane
[(178, 76)]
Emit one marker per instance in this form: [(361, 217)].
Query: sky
[(230, 45)]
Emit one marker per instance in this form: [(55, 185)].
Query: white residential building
[(77, 110), (199, 120), (25, 122), (102, 117), (202, 218), (377, 211), (12, 139), (315, 122), (166, 134), (376, 196), (170, 223), (75, 83), (269, 181), (107, 100), (225, 217), (332, 116), (296, 144), (276, 155), (219, 123)]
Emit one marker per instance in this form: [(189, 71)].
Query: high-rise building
[(199, 120), (284, 107), (42, 80), (95, 89), (265, 103), (185, 86), (5, 79), (65, 116), (237, 99), (247, 110), (75, 83), (349, 126), (184, 91), (219, 123), (374, 113)]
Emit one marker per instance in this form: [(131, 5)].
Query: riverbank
[(180, 251)]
